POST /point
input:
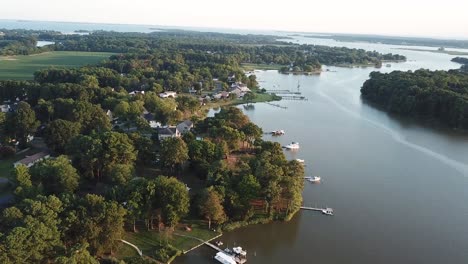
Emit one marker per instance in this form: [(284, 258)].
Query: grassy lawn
[(150, 241), (23, 67), (259, 98), (5, 167)]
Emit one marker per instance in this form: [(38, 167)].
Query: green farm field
[(23, 67)]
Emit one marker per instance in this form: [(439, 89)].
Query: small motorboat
[(300, 161), (327, 211), (314, 179), (293, 145), (277, 132)]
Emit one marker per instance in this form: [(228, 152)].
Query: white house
[(168, 94), (29, 161), (239, 89), (240, 86), (221, 95), (136, 92), (5, 108), (110, 115), (168, 132), (185, 126)]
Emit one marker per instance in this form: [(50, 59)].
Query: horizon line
[(246, 29)]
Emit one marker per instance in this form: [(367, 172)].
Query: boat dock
[(293, 97), (276, 105), (214, 247), (282, 92), (325, 211), (202, 242), (312, 208)]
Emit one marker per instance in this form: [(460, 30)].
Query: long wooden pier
[(312, 208), (293, 97), (203, 242), (282, 92), (276, 105)]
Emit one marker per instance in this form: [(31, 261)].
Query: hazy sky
[(442, 18)]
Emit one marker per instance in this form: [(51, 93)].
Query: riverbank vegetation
[(430, 95)]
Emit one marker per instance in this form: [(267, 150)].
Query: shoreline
[(448, 52)]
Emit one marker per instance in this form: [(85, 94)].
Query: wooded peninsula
[(440, 96)]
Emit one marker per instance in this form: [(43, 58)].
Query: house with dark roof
[(185, 126), (29, 161), (168, 132)]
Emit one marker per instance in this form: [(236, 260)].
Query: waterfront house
[(185, 126), (29, 161), (168, 132), (168, 94), (239, 89), (221, 95)]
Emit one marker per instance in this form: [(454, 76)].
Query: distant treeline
[(24, 42), (233, 48), (394, 40), (432, 95)]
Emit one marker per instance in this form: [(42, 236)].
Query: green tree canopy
[(59, 133)]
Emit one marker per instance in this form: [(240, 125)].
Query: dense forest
[(432, 95)]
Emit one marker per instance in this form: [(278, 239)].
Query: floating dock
[(325, 211)]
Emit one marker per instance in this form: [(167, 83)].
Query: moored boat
[(224, 258), (293, 145), (277, 132), (327, 211), (314, 179)]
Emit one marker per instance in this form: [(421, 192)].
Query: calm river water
[(399, 189)]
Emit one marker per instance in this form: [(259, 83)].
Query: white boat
[(224, 258), (237, 254), (300, 160), (314, 179), (327, 211), (293, 145), (277, 132)]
